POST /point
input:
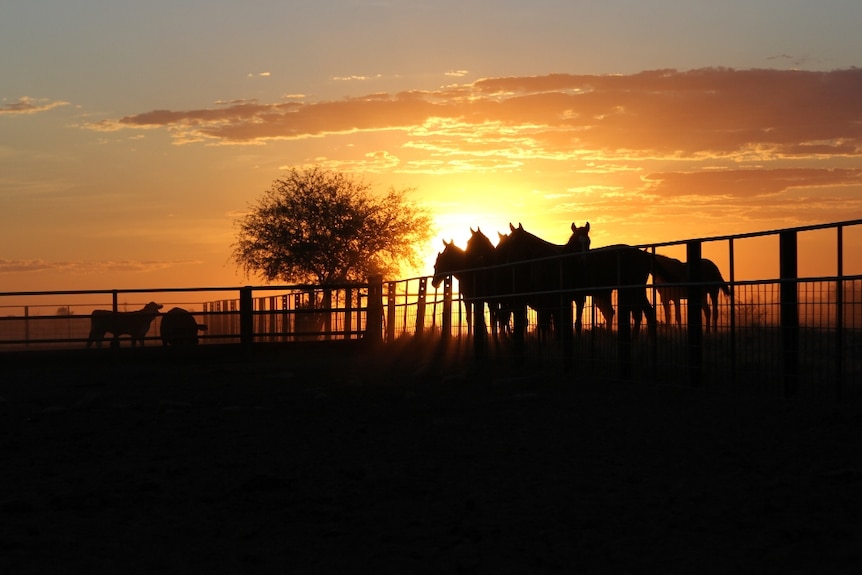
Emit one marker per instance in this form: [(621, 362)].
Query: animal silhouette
[(669, 271), (133, 323), (179, 328), (528, 274), (616, 265), (482, 254), (454, 261)]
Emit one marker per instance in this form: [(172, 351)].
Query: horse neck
[(479, 252), (453, 260), (577, 244), (669, 270)]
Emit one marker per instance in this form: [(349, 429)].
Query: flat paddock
[(345, 461)]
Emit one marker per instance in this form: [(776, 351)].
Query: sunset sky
[(133, 134)]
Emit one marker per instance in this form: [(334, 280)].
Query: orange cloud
[(749, 183), (700, 113), (26, 105)]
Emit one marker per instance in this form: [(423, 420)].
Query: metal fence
[(56, 320), (792, 320)]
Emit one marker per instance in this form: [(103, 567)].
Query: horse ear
[(587, 227), (471, 230), (574, 227), (444, 242), (511, 227), (520, 226)]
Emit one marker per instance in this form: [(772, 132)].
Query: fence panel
[(791, 321)]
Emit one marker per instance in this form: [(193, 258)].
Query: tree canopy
[(320, 226)]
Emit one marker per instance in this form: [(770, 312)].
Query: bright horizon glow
[(131, 137)]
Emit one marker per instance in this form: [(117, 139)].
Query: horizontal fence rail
[(787, 330)]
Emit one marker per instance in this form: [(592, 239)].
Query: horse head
[(449, 261), (580, 238)]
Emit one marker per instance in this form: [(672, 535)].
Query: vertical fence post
[(695, 299), (298, 306), (327, 314), (626, 306), (654, 329), (246, 317), (391, 304), (446, 320), (261, 316), (480, 330), (839, 318), (27, 326), (420, 306), (374, 317), (348, 313), (789, 312), (732, 310), (567, 318), (115, 340), (285, 318)]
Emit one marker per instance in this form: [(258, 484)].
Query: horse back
[(619, 264)]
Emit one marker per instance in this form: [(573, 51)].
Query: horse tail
[(721, 283)]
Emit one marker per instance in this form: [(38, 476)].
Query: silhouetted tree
[(319, 226)]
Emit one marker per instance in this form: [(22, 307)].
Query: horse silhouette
[(579, 242), (669, 271), (482, 254), (528, 274), (455, 261), (597, 272)]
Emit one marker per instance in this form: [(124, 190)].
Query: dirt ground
[(338, 464)]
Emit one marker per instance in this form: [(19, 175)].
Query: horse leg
[(678, 308), (604, 301), (706, 311), (480, 335), (649, 312), (666, 305), (493, 309), (504, 316), (543, 317), (519, 321), (580, 300), (643, 307), (714, 295), (566, 336), (506, 321), (627, 306)]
